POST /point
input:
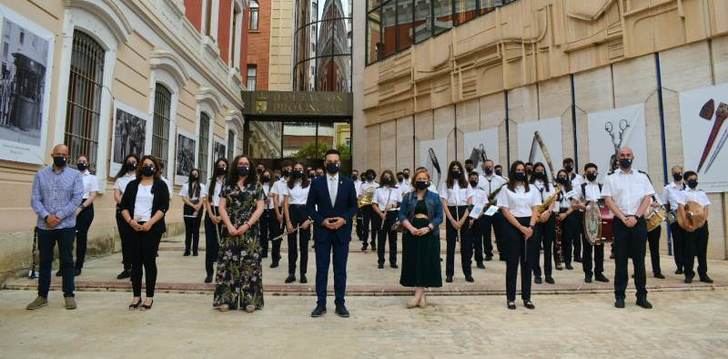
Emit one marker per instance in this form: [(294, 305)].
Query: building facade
[(508, 79), (108, 78)]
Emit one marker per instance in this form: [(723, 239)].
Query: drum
[(655, 217), (598, 224)]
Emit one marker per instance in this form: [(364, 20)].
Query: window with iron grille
[(160, 128), (231, 145), (204, 144), (84, 98)]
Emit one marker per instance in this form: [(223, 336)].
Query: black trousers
[(495, 223), (385, 233), (270, 228), (696, 244), (546, 239), (597, 264), (629, 243), (360, 226), (212, 244), (298, 240), (46, 242), (519, 251), (126, 246), (653, 238), (579, 234), (570, 233), (370, 225), (145, 246), (192, 233), (83, 223), (477, 240), (678, 245), (451, 237)]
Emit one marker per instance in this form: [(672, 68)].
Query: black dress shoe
[(481, 265), (77, 272), (123, 275), (186, 254), (577, 259), (195, 254), (619, 303), (587, 279), (689, 279), (644, 303), (559, 267), (488, 258), (601, 278), (363, 247), (304, 280), (448, 279), (59, 273), (659, 276), (511, 305), (380, 265), (550, 280), (374, 247), (274, 265), (208, 279), (679, 271), (569, 267), (318, 311), (342, 311), (538, 280), (469, 279), (706, 279), (291, 278), (394, 265), (529, 304)]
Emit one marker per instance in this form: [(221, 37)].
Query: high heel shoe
[(413, 303), (149, 306), (134, 306), (423, 302)]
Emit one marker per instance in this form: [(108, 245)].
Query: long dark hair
[(512, 176), (462, 181), (391, 176), (233, 176), (545, 179), (213, 177), (567, 185), (193, 185), (157, 170), (305, 181), (123, 170)]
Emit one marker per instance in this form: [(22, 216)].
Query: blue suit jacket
[(319, 207)]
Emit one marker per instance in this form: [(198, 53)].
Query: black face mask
[(130, 166), (625, 163), (311, 175), (469, 169), (455, 173), (59, 161), (519, 176), (562, 180), (498, 172), (420, 185), (219, 171), (297, 174), (488, 171), (332, 168), (387, 181), (692, 183), (195, 177), (400, 179), (285, 173), (148, 171), (370, 178), (266, 179), (591, 177), (539, 175), (243, 171), (473, 184), (677, 177), (354, 177), (568, 168), (406, 176), (81, 166)]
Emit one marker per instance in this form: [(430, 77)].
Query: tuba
[(367, 197), (691, 216)]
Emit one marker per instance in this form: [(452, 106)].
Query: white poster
[(185, 155), (538, 138), (131, 128), (25, 80), (481, 145), (702, 115), (613, 129), (433, 156)]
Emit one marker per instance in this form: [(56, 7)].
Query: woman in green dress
[(239, 280), (420, 214)]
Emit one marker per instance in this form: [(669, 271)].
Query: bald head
[(626, 152), (60, 150)]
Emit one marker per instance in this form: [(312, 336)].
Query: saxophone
[(549, 201), (491, 197)]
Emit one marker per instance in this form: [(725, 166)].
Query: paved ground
[(572, 319)]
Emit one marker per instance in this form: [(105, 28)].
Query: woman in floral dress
[(239, 280)]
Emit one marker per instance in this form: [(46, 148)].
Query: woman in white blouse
[(193, 192), (568, 217), (546, 233), (517, 201), (386, 206), (127, 173), (454, 195), (298, 224)]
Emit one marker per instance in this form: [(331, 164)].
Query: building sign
[(297, 104)]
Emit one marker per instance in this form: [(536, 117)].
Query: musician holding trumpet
[(692, 215), (386, 206)]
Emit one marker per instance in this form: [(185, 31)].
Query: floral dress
[(239, 280)]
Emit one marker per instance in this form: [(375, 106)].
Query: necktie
[(332, 190)]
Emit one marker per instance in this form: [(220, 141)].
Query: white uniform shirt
[(520, 202), (267, 189), (297, 195), (682, 197), (386, 196), (455, 196), (627, 190), (567, 196), (591, 192), (357, 187), (219, 184), (543, 194), (184, 192), (479, 199), (90, 183), (121, 183), (404, 187), (669, 195), (491, 184), (278, 188), (143, 203), (577, 180)]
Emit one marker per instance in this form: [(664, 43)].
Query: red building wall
[(258, 47), (193, 11), (223, 29)]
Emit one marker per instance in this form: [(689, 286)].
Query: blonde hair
[(417, 173)]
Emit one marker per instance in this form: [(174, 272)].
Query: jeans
[(46, 242), (145, 246)]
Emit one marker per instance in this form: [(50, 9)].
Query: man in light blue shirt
[(57, 193)]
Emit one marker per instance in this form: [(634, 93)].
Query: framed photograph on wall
[(185, 156), (129, 136)]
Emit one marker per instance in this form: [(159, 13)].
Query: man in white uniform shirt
[(576, 181), (628, 194), (669, 195), (490, 182), (696, 242), (359, 218), (590, 192)]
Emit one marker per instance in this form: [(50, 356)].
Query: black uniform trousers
[(270, 228), (496, 223), (125, 241), (298, 240), (385, 233), (546, 239), (371, 223), (678, 245), (629, 243), (653, 239), (451, 236), (520, 251), (696, 244), (212, 244), (83, 223), (570, 233), (592, 265)]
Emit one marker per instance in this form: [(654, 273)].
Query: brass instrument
[(367, 198), (691, 216), (549, 201), (655, 217), (491, 197)]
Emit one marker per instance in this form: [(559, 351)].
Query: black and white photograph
[(185, 154), (218, 150), (130, 134), (24, 87)]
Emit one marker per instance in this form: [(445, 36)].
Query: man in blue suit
[(332, 205)]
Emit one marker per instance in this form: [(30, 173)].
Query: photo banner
[(433, 156), (185, 156), (613, 129), (536, 138), (479, 145), (131, 128)]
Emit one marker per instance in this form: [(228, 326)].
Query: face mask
[(400, 179), (195, 177), (59, 161), (677, 177), (354, 177), (473, 184), (520, 176), (370, 178), (332, 168), (539, 175), (81, 166), (568, 168), (562, 180), (148, 171), (692, 183), (488, 171), (591, 177), (297, 174), (406, 176), (455, 173), (266, 179), (420, 185), (243, 171), (285, 173), (311, 175), (529, 171), (219, 171), (469, 168), (498, 172), (625, 163), (387, 180), (130, 166)]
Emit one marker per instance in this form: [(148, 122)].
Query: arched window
[(204, 144), (160, 127)]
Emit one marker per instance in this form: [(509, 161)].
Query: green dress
[(239, 279), (420, 255)]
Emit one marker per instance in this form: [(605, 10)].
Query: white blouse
[(90, 184), (268, 189), (454, 196), (143, 203), (297, 195), (184, 192), (219, 184), (122, 182), (388, 197), (520, 202)]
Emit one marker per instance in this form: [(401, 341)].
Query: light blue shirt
[(57, 193)]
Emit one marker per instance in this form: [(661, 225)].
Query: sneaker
[(70, 303), (38, 303)]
